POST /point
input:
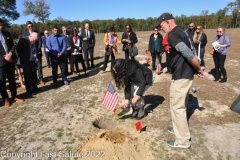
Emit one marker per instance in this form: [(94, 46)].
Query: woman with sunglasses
[(155, 47), (129, 38), (200, 38), (219, 55)]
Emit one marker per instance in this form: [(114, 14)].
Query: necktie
[(3, 43), (33, 52), (87, 33)]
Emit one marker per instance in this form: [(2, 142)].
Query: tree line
[(227, 17)]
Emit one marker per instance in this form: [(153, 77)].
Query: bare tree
[(38, 8)]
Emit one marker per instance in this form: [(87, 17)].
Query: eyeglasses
[(30, 26), (219, 31)]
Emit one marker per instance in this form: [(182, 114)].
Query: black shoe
[(141, 113), (153, 69), (215, 80), (135, 111), (86, 74), (37, 90), (55, 84), (223, 80), (92, 66)]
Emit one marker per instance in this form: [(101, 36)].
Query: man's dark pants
[(8, 70), (90, 51), (30, 77), (55, 62), (67, 60), (39, 67)]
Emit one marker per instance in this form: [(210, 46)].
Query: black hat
[(163, 17)]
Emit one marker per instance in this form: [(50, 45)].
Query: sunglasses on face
[(155, 30), (127, 28), (30, 26), (219, 31), (198, 28)]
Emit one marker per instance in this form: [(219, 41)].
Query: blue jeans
[(55, 62)]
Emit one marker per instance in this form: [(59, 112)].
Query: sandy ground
[(58, 123)]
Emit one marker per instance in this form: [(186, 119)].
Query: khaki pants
[(179, 93)]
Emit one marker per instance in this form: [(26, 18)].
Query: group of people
[(182, 62), (59, 49)]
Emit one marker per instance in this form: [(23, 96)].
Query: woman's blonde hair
[(197, 36)]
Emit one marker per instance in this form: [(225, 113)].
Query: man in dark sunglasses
[(191, 29)]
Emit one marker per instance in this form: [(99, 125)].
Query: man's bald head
[(33, 37)]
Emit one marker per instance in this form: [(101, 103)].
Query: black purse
[(133, 51), (108, 50)]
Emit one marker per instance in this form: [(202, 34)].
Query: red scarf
[(75, 38)]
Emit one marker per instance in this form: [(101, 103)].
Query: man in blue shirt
[(57, 45)]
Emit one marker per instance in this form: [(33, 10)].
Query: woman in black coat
[(129, 38), (136, 79), (155, 47)]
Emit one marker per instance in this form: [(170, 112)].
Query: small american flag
[(159, 67), (110, 99)]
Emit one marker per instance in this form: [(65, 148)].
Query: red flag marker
[(138, 125)]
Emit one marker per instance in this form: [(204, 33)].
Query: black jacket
[(9, 42), (203, 40), (151, 43), (38, 43), (24, 51), (190, 33), (132, 37), (142, 76)]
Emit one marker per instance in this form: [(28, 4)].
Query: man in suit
[(38, 44), (68, 50), (27, 50), (46, 51), (88, 44), (57, 45), (7, 66)]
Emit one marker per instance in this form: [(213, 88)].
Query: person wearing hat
[(184, 63), (110, 41), (46, 51)]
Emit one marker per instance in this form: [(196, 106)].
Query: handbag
[(212, 51), (108, 51), (133, 51)]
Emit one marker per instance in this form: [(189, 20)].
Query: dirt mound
[(113, 145)]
